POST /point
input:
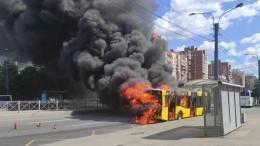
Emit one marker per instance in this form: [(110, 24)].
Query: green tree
[(12, 71), (256, 88), (30, 82)]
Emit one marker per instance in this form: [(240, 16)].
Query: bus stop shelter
[(221, 105)]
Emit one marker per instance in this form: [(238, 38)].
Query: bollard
[(243, 117), (15, 126), (54, 126), (39, 124), (93, 132)]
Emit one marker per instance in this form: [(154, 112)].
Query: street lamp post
[(258, 61), (6, 73), (216, 30)]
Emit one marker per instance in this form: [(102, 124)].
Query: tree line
[(27, 83)]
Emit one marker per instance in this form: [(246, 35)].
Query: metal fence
[(51, 105)]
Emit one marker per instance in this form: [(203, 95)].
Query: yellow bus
[(177, 105), (164, 97), (188, 104)]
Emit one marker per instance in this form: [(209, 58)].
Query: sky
[(239, 32)]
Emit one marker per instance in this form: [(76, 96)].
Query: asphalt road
[(55, 128)]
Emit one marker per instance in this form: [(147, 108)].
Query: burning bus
[(152, 105), (178, 105)]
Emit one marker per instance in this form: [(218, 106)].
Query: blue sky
[(239, 33)]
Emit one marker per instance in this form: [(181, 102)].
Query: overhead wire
[(236, 58), (183, 8), (131, 13), (196, 40), (169, 21)]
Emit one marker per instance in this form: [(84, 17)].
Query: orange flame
[(146, 104), (147, 117), (184, 101), (166, 87)]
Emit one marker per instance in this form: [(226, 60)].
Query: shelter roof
[(207, 82)]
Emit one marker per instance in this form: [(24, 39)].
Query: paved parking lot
[(184, 132)]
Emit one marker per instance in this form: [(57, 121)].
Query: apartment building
[(179, 63), (238, 77), (224, 71), (249, 81), (197, 63)]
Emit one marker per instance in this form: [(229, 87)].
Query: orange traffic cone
[(15, 126)]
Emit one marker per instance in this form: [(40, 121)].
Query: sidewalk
[(174, 133), (25, 114), (31, 114)]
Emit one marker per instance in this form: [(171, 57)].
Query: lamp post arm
[(205, 13), (212, 16), (237, 6), (224, 14)]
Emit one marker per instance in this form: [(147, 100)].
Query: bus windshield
[(245, 93)]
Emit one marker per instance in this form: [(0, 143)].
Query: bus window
[(244, 93), (184, 101), (166, 101), (198, 101), (177, 100)]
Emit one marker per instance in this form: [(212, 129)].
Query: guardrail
[(51, 105)]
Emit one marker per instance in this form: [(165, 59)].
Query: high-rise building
[(197, 63), (249, 81), (238, 77), (224, 69), (179, 63)]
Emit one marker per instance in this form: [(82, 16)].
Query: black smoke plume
[(99, 42)]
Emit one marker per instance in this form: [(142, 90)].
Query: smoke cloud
[(98, 42)]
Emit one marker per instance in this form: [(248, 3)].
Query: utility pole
[(216, 28), (258, 68), (258, 81)]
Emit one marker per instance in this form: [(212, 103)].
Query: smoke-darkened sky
[(99, 42)]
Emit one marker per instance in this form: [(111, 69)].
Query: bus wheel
[(179, 116)]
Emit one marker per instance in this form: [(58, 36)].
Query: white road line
[(83, 124), (48, 121), (29, 143)]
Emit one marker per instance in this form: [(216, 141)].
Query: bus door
[(165, 105), (172, 106), (193, 104), (199, 104), (162, 111), (183, 106)]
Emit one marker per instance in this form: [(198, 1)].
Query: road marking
[(49, 121), (83, 124), (29, 143)]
